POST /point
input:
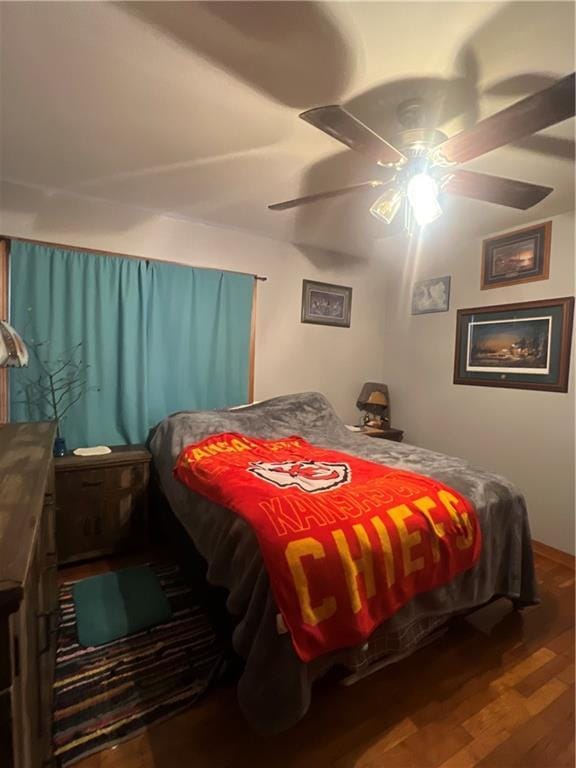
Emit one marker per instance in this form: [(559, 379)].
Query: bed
[(274, 689)]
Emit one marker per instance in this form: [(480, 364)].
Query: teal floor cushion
[(118, 604)]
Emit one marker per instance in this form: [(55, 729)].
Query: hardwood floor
[(496, 692)]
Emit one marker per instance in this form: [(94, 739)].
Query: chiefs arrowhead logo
[(309, 476)]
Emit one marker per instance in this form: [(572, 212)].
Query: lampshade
[(386, 207), (13, 352), (373, 398)]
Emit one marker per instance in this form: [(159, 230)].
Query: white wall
[(523, 434), (290, 356)]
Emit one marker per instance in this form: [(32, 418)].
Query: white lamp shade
[(13, 352)]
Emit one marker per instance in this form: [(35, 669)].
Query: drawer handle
[(92, 482), (50, 631), (45, 645), (16, 650)]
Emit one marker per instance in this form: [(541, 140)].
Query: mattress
[(274, 690)]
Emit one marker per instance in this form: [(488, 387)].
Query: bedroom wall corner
[(525, 435)]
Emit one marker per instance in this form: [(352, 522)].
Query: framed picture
[(431, 295), (525, 345), (518, 257), (326, 304)]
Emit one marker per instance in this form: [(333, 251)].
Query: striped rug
[(109, 693)]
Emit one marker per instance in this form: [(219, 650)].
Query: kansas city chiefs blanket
[(346, 542)]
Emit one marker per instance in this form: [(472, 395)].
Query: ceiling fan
[(424, 163)]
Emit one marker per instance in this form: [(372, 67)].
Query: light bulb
[(422, 193), (386, 207)]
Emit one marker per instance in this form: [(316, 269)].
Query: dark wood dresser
[(102, 503), (28, 594)]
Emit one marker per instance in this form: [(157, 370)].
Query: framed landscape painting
[(326, 304), (517, 257), (431, 295), (525, 345)]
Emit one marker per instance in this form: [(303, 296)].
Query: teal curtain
[(154, 338), (60, 299), (199, 339)]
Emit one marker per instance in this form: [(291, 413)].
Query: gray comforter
[(275, 687)]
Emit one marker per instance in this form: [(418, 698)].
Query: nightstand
[(387, 434), (101, 503)]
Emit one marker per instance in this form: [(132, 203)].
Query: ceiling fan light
[(422, 192), (386, 206)]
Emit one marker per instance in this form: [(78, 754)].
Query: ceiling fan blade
[(344, 127), (325, 195), (495, 189), (532, 114)]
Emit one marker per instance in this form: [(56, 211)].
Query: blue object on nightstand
[(59, 447), (117, 604)]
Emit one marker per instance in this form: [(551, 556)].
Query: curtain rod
[(9, 238)]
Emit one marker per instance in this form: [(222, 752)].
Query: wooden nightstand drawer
[(75, 483), (126, 476), (132, 476), (102, 503)]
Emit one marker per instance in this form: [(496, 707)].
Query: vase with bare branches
[(57, 385)]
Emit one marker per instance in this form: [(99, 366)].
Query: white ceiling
[(191, 109)]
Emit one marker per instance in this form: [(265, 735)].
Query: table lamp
[(374, 401), (13, 352)]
